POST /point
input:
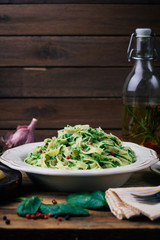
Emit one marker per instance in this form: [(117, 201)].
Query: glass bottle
[(141, 93)]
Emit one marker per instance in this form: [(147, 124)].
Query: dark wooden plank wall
[(64, 62)]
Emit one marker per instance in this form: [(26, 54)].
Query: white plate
[(78, 180)]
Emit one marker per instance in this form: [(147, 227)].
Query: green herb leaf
[(29, 206), (88, 200), (62, 208)]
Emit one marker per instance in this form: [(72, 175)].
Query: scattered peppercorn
[(28, 216), (7, 221), (67, 217), (32, 216), (45, 216), (68, 157), (38, 214), (91, 143), (54, 201), (42, 216), (40, 151), (47, 144), (59, 219), (112, 153)]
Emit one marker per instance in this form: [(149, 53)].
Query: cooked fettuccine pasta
[(81, 147)]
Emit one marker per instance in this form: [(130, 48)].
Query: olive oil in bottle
[(141, 94)]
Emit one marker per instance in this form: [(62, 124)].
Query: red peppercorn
[(32, 216), (50, 215), (68, 157), (47, 144), (28, 216), (59, 219), (54, 201), (112, 153), (45, 216), (54, 160), (91, 143), (40, 151), (83, 149), (38, 214)]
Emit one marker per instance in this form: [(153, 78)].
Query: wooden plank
[(64, 51), (57, 113), (76, 19), (62, 82), (150, 2), (41, 134)]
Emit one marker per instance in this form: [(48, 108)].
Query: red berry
[(50, 214), (32, 215), (68, 157)]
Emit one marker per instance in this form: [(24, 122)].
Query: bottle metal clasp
[(131, 50)]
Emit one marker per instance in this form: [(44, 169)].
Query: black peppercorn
[(7, 221)]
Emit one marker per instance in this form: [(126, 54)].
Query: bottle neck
[(144, 49), (146, 65)]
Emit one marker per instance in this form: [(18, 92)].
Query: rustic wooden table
[(100, 224)]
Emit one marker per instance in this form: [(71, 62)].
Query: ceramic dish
[(10, 185), (78, 180)]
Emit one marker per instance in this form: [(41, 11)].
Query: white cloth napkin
[(124, 205)]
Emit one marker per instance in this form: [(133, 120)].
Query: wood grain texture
[(62, 82), (149, 2), (76, 19), (64, 51), (56, 113)]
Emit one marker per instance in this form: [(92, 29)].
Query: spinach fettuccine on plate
[(81, 147)]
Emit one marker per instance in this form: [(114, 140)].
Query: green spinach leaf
[(88, 200), (29, 206), (62, 208)]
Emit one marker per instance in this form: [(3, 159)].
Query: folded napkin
[(124, 205)]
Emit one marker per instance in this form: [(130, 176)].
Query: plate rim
[(90, 172)]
